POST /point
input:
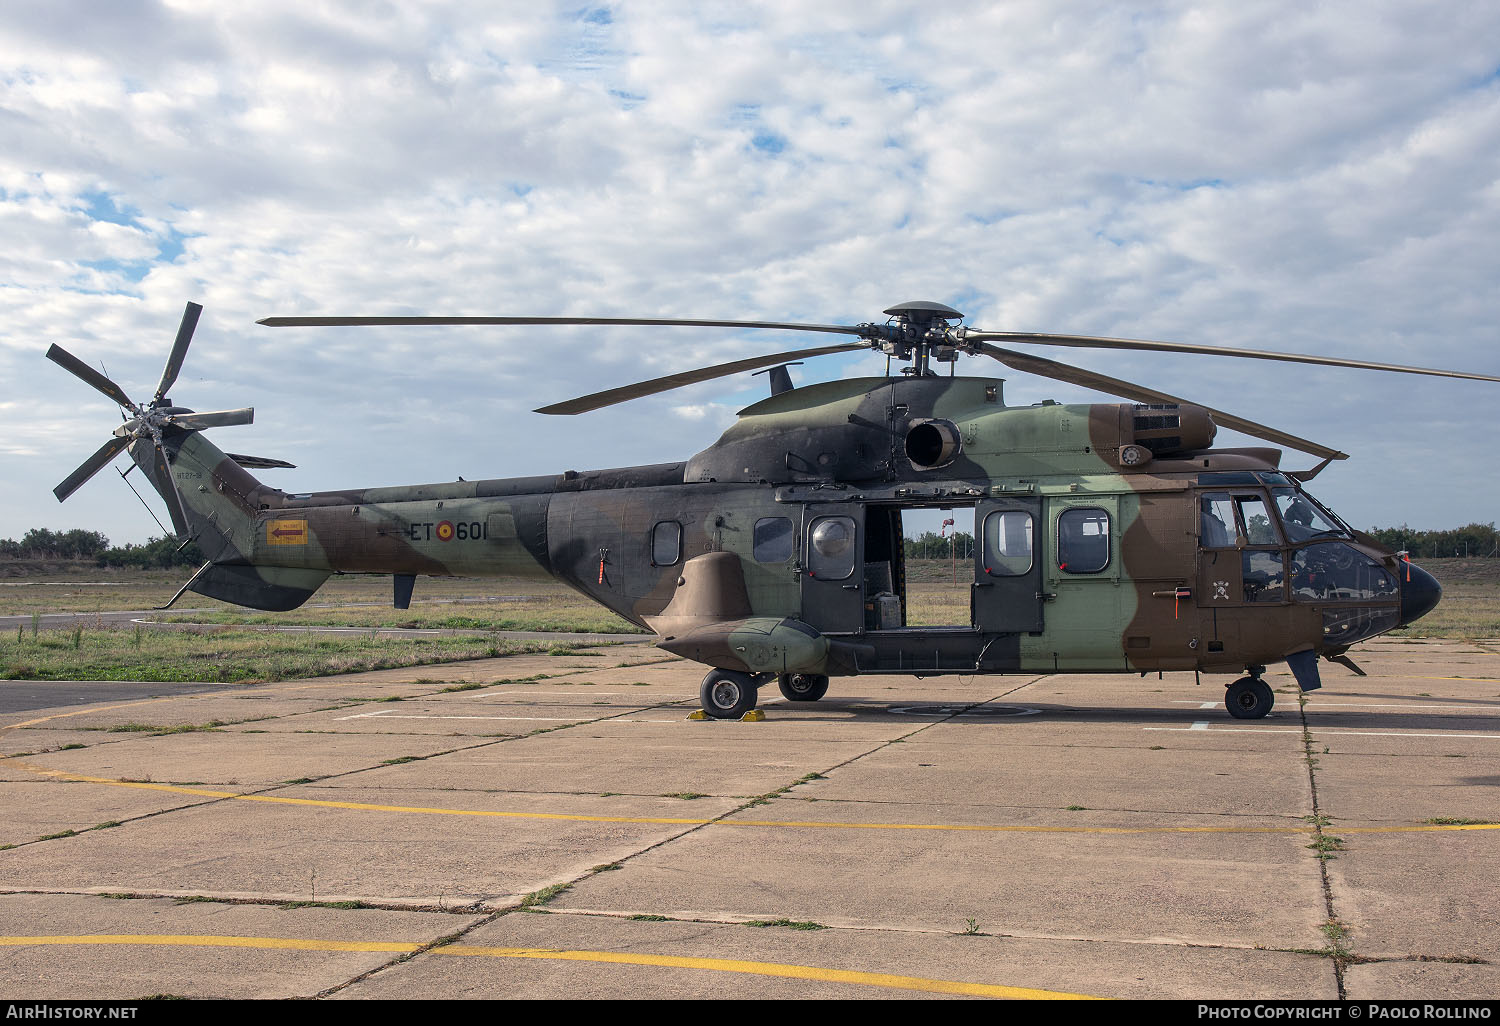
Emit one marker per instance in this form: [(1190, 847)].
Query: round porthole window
[(833, 538)]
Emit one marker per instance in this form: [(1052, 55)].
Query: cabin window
[(830, 548), (666, 543), (1083, 540), (1008, 541), (773, 540)]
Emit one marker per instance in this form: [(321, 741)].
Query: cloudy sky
[(1322, 178)]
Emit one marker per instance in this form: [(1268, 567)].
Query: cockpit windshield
[(1303, 519)]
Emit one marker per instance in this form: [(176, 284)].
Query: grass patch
[(544, 895), (687, 796), (461, 687), (1340, 940), (790, 924), (1457, 821), (230, 656), (508, 604), (286, 906), (403, 759), (175, 728), (649, 919), (1325, 845)]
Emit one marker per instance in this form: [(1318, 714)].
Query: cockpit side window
[(1303, 519), (1257, 522)]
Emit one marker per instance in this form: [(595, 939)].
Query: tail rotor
[(146, 422)]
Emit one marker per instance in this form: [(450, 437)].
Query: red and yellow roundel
[(445, 531)]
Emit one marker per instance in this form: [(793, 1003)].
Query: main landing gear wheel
[(1249, 698), (803, 687), (727, 694)]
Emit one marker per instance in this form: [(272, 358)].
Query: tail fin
[(211, 499), (218, 501)]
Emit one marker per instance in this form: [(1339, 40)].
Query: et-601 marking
[(447, 530)]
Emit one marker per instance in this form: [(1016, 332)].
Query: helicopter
[(1109, 538)]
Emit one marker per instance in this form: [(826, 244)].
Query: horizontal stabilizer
[(260, 462)]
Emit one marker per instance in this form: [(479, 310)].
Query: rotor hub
[(919, 332)]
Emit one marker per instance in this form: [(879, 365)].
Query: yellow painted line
[(247, 689), (1413, 676), (796, 972), (1422, 828), (84, 712), (358, 806), (676, 821), (727, 965)]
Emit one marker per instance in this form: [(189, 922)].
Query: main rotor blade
[(68, 362), (171, 495), (1127, 390), (612, 396), (366, 322), (1097, 342), (91, 466), (220, 418), (179, 348)]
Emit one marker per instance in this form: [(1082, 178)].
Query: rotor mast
[(918, 332)]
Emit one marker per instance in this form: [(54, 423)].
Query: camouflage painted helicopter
[(1109, 537)]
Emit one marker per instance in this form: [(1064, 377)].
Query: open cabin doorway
[(930, 570)]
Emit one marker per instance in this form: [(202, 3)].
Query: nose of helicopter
[(1420, 591)]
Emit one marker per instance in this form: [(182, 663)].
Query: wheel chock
[(697, 714), (753, 716)]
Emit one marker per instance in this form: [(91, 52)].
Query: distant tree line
[(1473, 540), (157, 553), (935, 546), (40, 543)]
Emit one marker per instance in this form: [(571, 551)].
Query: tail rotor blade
[(179, 348), (73, 365), (221, 418), (91, 466)]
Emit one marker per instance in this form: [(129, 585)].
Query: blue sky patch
[(769, 142)]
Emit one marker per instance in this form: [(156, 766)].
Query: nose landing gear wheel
[(803, 687), (727, 694), (1249, 698)]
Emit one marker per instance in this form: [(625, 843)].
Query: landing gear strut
[(1249, 698)]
